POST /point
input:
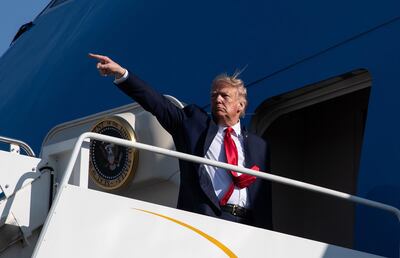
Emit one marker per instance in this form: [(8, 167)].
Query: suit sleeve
[(169, 115)]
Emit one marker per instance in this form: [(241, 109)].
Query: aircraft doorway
[(315, 134)]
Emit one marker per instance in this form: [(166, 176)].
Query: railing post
[(80, 173)]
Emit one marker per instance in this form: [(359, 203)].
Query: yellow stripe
[(201, 233)]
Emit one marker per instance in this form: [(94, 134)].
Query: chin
[(219, 114)]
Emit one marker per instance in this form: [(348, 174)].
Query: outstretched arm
[(168, 114)]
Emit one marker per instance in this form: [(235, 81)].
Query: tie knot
[(229, 130)]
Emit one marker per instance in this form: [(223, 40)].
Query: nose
[(219, 98)]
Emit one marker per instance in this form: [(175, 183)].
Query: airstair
[(50, 207), (25, 196)]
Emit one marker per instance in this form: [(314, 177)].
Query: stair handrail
[(193, 158), (28, 150), (196, 159)]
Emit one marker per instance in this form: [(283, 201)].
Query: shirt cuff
[(123, 78)]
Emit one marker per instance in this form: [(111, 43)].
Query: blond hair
[(235, 82)]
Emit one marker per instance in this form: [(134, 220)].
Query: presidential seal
[(111, 166)]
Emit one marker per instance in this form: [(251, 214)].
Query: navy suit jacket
[(193, 130)]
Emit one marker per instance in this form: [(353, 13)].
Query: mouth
[(219, 107)]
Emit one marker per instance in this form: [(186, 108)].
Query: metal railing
[(197, 159), (192, 158), (28, 150)]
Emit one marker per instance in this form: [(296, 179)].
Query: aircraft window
[(316, 134), (57, 2), (24, 28), (52, 5)]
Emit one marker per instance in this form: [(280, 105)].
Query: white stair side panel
[(16, 171), (27, 191), (88, 223)]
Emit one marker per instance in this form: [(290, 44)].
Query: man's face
[(225, 104)]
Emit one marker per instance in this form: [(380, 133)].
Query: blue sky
[(14, 13)]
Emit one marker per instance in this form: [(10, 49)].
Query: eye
[(225, 96)]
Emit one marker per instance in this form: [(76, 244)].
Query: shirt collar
[(237, 128)]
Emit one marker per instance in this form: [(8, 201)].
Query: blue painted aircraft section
[(46, 77)]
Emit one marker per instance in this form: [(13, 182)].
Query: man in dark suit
[(205, 189)]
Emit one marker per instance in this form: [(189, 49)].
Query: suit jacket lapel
[(211, 132), (247, 154), (249, 159), (204, 178)]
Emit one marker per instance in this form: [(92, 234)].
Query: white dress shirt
[(220, 178)]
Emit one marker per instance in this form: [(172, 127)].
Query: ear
[(240, 107)]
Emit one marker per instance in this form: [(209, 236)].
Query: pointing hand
[(106, 66)]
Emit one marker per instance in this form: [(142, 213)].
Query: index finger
[(99, 57)]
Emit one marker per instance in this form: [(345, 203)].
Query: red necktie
[(232, 158)]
